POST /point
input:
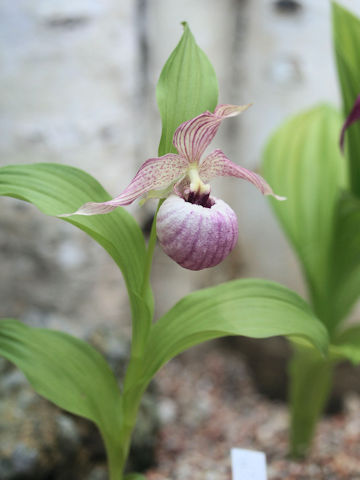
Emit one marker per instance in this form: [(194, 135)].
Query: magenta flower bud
[(196, 237)]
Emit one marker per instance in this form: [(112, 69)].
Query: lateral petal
[(154, 174), (354, 115), (218, 165), (191, 138)]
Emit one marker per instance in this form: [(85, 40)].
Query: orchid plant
[(194, 228), (321, 218)]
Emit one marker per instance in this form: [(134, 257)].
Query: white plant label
[(248, 464)]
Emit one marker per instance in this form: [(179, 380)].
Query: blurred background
[(78, 82)]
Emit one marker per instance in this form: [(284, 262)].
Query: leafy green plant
[(72, 374), (321, 218)]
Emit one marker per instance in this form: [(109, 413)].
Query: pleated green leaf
[(65, 370), (187, 87), (346, 29), (345, 258), (310, 383), (302, 161), (253, 308), (56, 189)]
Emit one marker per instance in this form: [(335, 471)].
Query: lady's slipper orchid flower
[(195, 229)]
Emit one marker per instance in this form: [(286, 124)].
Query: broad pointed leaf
[(347, 51), (253, 308), (65, 370), (56, 189), (310, 383), (302, 161), (187, 87)]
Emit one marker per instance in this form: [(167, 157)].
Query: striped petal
[(154, 174), (218, 165), (191, 138), (354, 115)]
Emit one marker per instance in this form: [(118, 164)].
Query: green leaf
[(347, 51), (302, 161), (347, 344), (65, 370), (187, 87), (310, 383), (134, 476), (56, 189), (345, 258), (253, 308)]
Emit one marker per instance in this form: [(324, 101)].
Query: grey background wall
[(78, 84)]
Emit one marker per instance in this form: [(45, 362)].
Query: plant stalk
[(133, 389), (116, 458), (150, 251)]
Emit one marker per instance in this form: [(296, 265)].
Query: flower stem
[(150, 251), (142, 311), (133, 389)]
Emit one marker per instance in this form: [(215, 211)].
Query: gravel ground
[(208, 404)]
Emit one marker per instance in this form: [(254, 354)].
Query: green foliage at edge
[(187, 87), (346, 30), (344, 288), (303, 162)]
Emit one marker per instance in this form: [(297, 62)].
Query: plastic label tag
[(248, 464)]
